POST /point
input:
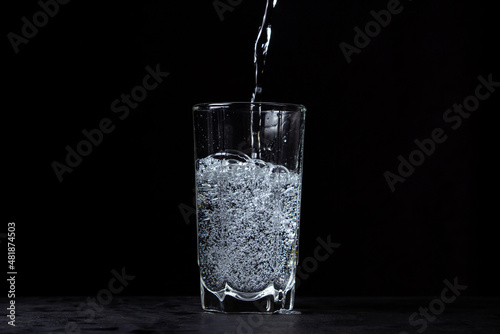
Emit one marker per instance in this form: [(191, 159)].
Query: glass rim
[(289, 107)]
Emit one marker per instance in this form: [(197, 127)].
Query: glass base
[(278, 302)]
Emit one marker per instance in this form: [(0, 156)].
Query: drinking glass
[(248, 172)]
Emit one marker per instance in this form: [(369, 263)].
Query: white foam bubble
[(248, 216)]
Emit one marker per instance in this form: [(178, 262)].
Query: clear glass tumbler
[(248, 170)]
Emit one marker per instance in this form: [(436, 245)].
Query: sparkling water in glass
[(248, 189)]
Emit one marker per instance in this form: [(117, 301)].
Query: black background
[(120, 206)]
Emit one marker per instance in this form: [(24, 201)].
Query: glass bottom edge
[(229, 304)]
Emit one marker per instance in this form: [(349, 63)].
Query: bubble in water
[(248, 216)]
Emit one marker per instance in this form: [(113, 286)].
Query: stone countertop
[(339, 315)]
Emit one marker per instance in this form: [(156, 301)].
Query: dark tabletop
[(318, 315)]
